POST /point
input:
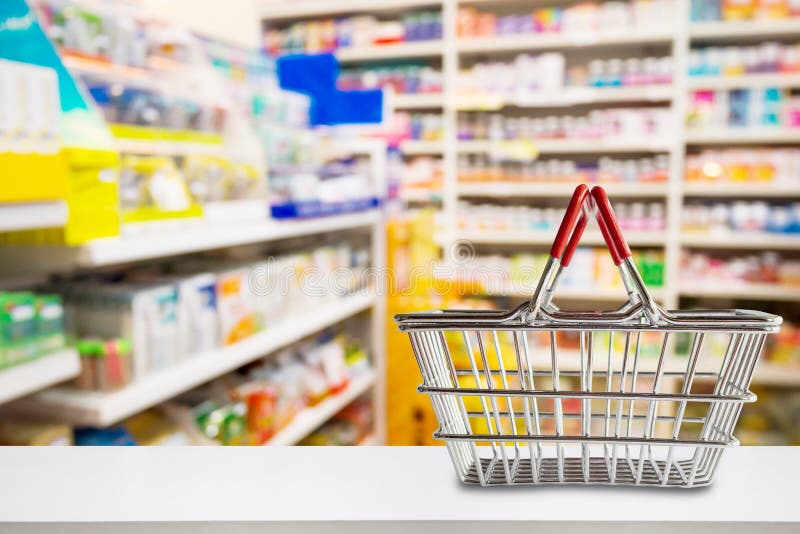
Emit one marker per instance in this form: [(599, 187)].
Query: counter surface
[(277, 484)]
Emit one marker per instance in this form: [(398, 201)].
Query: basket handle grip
[(574, 223)]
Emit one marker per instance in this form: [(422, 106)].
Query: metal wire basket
[(538, 395)]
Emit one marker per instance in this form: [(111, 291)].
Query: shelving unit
[(556, 190), (742, 240), (103, 409), (563, 146), (418, 101), (45, 371), (545, 238), (522, 43), (570, 96), (753, 291), (417, 49)]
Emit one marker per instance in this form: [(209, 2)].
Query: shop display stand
[(454, 52)]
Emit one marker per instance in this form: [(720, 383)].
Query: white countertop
[(359, 484)]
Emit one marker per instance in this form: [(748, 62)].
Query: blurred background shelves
[(45, 371), (103, 409), (309, 419)]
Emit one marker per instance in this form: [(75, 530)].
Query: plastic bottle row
[(482, 168), (636, 216), (765, 268), (591, 268), (404, 79), (776, 166), (364, 30), (768, 57), (584, 17), (744, 108), (711, 10), (742, 217), (549, 73), (616, 124)]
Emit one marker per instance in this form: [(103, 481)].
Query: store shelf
[(421, 148), (775, 374), (743, 136), (513, 43), (742, 240), (271, 10), (196, 237), (421, 195), (418, 101), (556, 190), (741, 30), (589, 295), (741, 190), (308, 420), (560, 146), (745, 81), (569, 96), (45, 371), (103, 409), (169, 148), (413, 49), (516, 237), (733, 290), (32, 215)]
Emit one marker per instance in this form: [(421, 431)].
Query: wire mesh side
[(524, 406)]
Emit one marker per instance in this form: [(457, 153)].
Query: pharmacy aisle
[(191, 262)]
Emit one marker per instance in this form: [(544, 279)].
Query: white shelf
[(512, 43), (568, 96), (743, 240), (745, 189), (31, 215), (421, 195), (516, 237), (308, 420), (412, 49), (753, 291), (418, 101), (775, 374), (169, 148), (103, 409), (744, 81), (561, 146), (272, 10), (196, 237), (45, 371), (739, 30), (555, 189), (743, 136), (421, 148)]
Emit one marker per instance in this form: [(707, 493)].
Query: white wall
[(235, 21)]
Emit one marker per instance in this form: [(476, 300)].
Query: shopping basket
[(539, 395)]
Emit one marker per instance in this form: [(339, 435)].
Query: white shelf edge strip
[(546, 237), (196, 236), (31, 215), (45, 371), (741, 240), (545, 189), (309, 419), (102, 409)]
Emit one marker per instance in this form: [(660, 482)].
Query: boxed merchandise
[(17, 328), (235, 305), (105, 364)]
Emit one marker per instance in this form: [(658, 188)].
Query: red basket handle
[(574, 223), (569, 224)]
